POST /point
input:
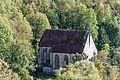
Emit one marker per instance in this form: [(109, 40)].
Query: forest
[(22, 23)]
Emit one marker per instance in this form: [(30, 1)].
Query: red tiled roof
[(63, 41)]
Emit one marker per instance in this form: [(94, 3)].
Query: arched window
[(42, 55), (65, 60), (48, 57), (56, 61)]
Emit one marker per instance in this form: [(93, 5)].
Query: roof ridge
[(64, 30)]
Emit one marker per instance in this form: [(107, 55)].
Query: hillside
[(22, 23)]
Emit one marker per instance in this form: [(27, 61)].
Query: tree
[(106, 70), (102, 38), (29, 9), (39, 22), (83, 70), (6, 37), (20, 57), (53, 17), (79, 57), (24, 21), (6, 73), (106, 48), (115, 57), (15, 27), (107, 16), (110, 73), (42, 5), (115, 32), (75, 15)]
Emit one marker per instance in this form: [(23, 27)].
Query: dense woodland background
[(22, 23)]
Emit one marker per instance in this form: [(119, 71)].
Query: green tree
[(106, 48), (105, 69), (115, 57), (83, 70), (107, 16), (53, 17), (75, 15), (6, 33), (79, 57), (110, 73), (102, 38), (6, 36), (6, 73), (39, 22), (20, 58), (42, 5), (29, 9)]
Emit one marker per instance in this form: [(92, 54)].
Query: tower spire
[(89, 26), (89, 31)]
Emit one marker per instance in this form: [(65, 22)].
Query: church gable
[(89, 47)]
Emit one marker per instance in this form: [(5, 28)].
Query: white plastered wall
[(40, 56), (61, 59), (90, 48)]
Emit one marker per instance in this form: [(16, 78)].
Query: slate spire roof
[(64, 41)]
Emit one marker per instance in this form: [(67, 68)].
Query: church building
[(57, 48)]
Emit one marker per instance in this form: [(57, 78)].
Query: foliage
[(20, 58), (22, 23), (39, 22), (115, 58), (105, 69), (53, 17), (6, 33), (79, 57), (15, 27), (6, 36), (6, 73), (106, 48), (110, 73), (109, 21), (102, 38), (73, 15), (83, 70)]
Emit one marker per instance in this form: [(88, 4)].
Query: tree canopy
[(83, 70), (23, 22)]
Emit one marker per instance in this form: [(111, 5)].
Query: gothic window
[(44, 51), (48, 55), (65, 60), (42, 55), (56, 61)]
